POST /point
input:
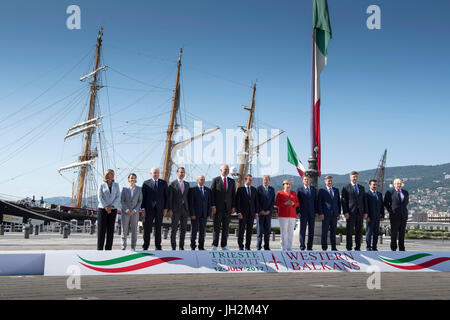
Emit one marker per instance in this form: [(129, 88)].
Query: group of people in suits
[(357, 205), (181, 202)]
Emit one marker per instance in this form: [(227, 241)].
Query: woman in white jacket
[(108, 201)]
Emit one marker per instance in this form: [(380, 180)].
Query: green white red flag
[(321, 38), (292, 158)]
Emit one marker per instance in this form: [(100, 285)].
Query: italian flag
[(292, 158), (321, 38)]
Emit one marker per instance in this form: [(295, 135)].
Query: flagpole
[(312, 161)]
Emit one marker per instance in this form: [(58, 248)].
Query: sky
[(381, 89)]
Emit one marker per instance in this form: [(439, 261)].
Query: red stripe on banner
[(300, 172), (426, 264), (134, 267), (317, 132)]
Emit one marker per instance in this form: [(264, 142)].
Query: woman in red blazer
[(287, 202)]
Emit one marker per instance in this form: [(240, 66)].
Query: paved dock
[(432, 285)]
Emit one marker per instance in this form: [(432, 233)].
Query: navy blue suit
[(375, 211), (155, 199), (200, 207), (330, 207), (307, 209), (398, 216), (266, 203)]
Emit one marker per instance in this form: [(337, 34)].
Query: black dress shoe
[(158, 248), (248, 249), (201, 248), (242, 249), (334, 249), (181, 248), (268, 249), (375, 249)]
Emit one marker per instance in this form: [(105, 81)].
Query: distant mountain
[(415, 177)]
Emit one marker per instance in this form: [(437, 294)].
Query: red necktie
[(225, 184)]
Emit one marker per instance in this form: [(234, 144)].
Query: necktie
[(203, 192), (399, 196), (355, 187), (308, 191), (248, 191), (331, 192), (375, 194), (182, 186), (225, 184), (156, 185)]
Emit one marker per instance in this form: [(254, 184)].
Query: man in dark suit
[(247, 207), (307, 196), (266, 198), (223, 197), (200, 211), (375, 210), (396, 202), (329, 208), (354, 206), (155, 204), (178, 208)]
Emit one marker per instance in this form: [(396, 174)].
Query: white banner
[(57, 263)]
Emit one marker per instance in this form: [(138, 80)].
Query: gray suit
[(179, 204), (130, 221)]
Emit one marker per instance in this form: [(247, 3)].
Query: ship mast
[(243, 168), (170, 131), (88, 155)]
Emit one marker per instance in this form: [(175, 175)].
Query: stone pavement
[(292, 286)]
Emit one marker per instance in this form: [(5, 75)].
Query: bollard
[(61, 229), (119, 232), (2, 230), (236, 232), (340, 237), (381, 238), (166, 232), (273, 235), (27, 232), (92, 229), (140, 229), (66, 231), (41, 228), (36, 230)]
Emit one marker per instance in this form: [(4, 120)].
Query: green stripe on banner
[(117, 260), (407, 259)]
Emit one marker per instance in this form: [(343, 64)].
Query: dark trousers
[(105, 226), (221, 222), (151, 216), (245, 225), (263, 231), (198, 226), (372, 233), (329, 224), (354, 225), (307, 220), (398, 227), (179, 218)]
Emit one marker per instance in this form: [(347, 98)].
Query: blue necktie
[(331, 193), (355, 187), (203, 192), (248, 192), (156, 185)]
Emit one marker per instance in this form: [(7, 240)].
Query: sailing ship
[(85, 187)]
